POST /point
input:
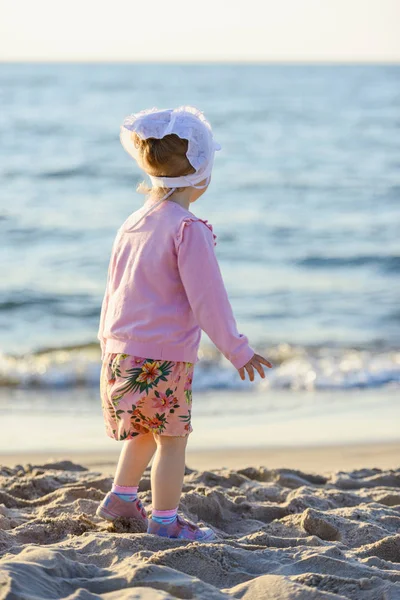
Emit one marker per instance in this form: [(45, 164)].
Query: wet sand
[(318, 458)]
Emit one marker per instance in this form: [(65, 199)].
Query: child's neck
[(185, 205), (183, 198)]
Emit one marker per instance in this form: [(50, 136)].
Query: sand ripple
[(283, 534)]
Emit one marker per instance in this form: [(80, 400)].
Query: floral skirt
[(142, 395)]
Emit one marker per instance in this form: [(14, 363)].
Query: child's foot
[(181, 528), (112, 507)]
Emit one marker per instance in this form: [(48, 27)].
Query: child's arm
[(205, 289), (104, 306), (100, 335)]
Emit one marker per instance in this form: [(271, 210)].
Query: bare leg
[(167, 471), (134, 458)]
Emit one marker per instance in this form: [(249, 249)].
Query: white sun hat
[(188, 123)]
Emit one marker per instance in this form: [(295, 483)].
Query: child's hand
[(254, 363)]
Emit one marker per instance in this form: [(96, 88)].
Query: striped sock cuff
[(126, 493), (165, 517)]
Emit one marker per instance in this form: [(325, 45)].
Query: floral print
[(186, 420), (165, 400), (141, 395), (150, 372)]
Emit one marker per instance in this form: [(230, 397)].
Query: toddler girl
[(164, 286)]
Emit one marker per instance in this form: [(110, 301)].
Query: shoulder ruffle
[(187, 220), (210, 227)]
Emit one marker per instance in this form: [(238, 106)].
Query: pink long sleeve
[(104, 305), (205, 290), (103, 313)]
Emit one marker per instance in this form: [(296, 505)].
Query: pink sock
[(127, 493), (164, 516), (122, 489)]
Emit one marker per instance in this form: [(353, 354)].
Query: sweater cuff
[(243, 357)]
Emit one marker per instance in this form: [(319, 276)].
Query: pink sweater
[(164, 286)]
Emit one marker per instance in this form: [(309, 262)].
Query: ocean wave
[(28, 235), (389, 264), (74, 305), (82, 172), (69, 172), (296, 368)]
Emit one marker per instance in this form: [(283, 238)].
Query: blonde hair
[(165, 157)]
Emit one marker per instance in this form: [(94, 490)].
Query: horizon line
[(281, 62)]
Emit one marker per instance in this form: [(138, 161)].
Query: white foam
[(295, 368)]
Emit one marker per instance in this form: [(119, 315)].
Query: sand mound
[(283, 534)]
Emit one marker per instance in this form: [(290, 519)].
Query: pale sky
[(178, 30)]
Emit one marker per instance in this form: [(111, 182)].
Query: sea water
[(304, 200)]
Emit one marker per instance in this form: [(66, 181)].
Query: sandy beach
[(292, 523)]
